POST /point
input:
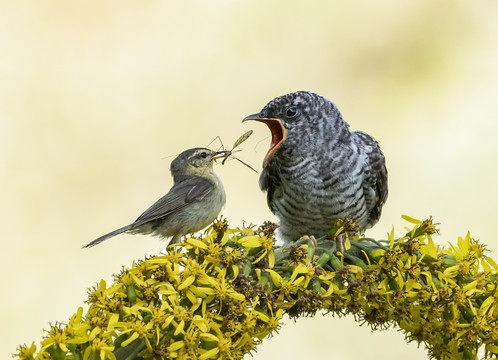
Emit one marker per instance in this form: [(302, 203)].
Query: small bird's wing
[(179, 196), (376, 177)]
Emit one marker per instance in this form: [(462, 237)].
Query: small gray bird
[(194, 201), (317, 170)]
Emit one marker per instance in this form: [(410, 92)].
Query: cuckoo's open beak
[(277, 133)]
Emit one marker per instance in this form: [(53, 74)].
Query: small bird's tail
[(107, 236)]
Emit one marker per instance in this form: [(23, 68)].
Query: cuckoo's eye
[(291, 112)]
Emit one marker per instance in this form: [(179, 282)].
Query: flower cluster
[(219, 296)]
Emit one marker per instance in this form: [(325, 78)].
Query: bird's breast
[(309, 195)]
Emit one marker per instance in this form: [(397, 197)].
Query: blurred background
[(97, 97)]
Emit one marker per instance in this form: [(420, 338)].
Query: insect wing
[(241, 139)]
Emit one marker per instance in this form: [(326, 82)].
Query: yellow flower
[(57, 336), (222, 350), (222, 289), (100, 346), (218, 296), (26, 353), (273, 322), (137, 328), (291, 285)]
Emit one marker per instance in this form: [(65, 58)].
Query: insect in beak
[(228, 153)]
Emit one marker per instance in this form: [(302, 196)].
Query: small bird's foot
[(174, 240)]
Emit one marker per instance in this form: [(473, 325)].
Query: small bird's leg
[(175, 239)]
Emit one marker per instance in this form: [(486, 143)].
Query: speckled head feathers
[(301, 105)]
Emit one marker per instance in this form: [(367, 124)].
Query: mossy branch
[(219, 296)]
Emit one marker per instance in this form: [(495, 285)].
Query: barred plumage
[(317, 170)]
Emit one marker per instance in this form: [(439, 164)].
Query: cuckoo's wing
[(181, 195), (376, 175), (269, 181)]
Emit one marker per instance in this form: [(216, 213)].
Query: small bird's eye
[(291, 112), (204, 154)]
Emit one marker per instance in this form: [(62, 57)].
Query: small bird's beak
[(277, 133), (220, 154)]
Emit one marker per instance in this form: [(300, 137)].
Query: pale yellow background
[(93, 94)]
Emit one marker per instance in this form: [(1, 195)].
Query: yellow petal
[(486, 304), (271, 259), (133, 337), (452, 271), (276, 278), (250, 241), (209, 354), (197, 243), (179, 328), (200, 322), (210, 336), (262, 256), (87, 353), (191, 297), (261, 316), (187, 282), (411, 220), (491, 262), (176, 346), (235, 270), (225, 239), (347, 243), (492, 348), (94, 333), (237, 296)]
